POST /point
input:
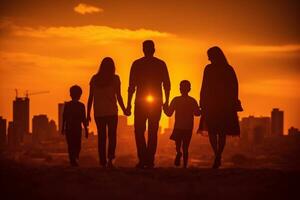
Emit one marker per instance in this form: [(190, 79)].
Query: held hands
[(127, 111), (166, 108)]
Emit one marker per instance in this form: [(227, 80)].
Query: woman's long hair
[(106, 72), (217, 56)]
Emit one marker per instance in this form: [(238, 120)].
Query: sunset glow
[(150, 99), (58, 46)]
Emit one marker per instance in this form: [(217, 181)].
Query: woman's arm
[(119, 97), (89, 104), (203, 91)]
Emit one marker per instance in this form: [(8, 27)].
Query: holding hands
[(127, 111)]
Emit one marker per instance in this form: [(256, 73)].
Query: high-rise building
[(40, 128), (60, 116), (52, 128), (3, 140), (293, 131), (21, 117), (12, 138), (254, 129), (277, 122)]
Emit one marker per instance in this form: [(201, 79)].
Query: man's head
[(185, 87), (148, 48), (75, 92)]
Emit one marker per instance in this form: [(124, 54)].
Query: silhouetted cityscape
[(15, 133)]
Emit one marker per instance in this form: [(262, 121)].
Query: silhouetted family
[(219, 104)]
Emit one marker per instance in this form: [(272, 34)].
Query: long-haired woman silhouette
[(105, 92), (219, 102)]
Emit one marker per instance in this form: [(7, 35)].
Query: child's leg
[(101, 127), (185, 146), (70, 143), (178, 143), (78, 144)]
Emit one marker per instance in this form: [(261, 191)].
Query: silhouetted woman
[(105, 92), (219, 102)]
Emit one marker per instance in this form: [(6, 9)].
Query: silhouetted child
[(74, 117), (185, 108)]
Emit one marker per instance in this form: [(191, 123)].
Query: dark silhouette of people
[(105, 91), (147, 76), (74, 117), (219, 102), (185, 108)]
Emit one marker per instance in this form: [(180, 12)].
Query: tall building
[(254, 129), (12, 138), (277, 122), (293, 131), (3, 140), (21, 117), (60, 116), (40, 128)]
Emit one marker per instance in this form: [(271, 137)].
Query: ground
[(63, 182), (269, 170)]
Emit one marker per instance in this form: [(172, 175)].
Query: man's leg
[(153, 125), (139, 131), (101, 127)]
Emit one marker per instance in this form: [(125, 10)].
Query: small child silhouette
[(74, 117), (185, 108)]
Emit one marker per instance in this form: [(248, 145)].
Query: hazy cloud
[(87, 9), (90, 33), (267, 49)]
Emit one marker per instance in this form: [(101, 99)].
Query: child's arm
[(169, 110), (197, 111)]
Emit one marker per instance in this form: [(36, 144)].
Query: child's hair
[(75, 92), (185, 86)]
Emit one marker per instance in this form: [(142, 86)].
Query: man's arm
[(131, 87), (166, 84), (169, 110)]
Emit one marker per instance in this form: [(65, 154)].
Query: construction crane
[(35, 93)]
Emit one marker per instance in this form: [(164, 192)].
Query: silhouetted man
[(147, 76)]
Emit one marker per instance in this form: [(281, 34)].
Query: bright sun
[(149, 99)]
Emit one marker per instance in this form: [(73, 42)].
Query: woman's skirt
[(220, 123)]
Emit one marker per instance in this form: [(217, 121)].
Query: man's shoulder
[(161, 62)]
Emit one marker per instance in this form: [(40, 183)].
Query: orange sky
[(51, 45)]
